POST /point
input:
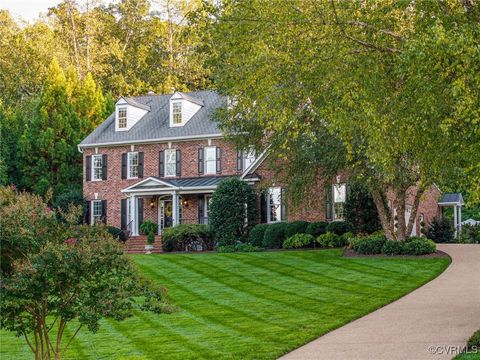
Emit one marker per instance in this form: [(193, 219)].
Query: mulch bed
[(437, 254)]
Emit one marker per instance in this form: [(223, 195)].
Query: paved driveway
[(432, 322)]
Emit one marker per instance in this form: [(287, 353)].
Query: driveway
[(432, 322)]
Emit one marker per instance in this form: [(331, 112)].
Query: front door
[(165, 214)]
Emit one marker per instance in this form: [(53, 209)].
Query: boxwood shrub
[(257, 233), (295, 227), (329, 239), (369, 245), (187, 237), (420, 246), (317, 228), (392, 247), (340, 227), (298, 241), (274, 236)]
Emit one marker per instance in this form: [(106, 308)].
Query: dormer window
[(177, 113), (122, 117)]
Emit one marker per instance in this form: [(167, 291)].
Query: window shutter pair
[(201, 207), (88, 168), (123, 214), (239, 160), (161, 163), (219, 160), (124, 165)]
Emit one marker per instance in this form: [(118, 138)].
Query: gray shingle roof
[(155, 124), (450, 198), (198, 181)]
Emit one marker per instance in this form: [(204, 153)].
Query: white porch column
[(460, 218), (455, 223), (134, 216), (175, 208)]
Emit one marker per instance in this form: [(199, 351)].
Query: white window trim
[(269, 219), (92, 211), (93, 167), (128, 164), (174, 151), (205, 206), (214, 160), (118, 118), (173, 103), (248, 154)]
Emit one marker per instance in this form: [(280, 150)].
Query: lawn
[(247, 305)]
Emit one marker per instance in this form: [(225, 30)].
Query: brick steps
[(136, 245)]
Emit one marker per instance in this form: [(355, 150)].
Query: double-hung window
[(248, 158), (274, 204), (97, 211), (122, 117), (339, 197), (170, 162), (210, 160), (97, 167), (177, 113), (133, 165)]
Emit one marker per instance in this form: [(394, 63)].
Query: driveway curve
[(432, 322)]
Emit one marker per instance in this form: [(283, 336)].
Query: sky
[(27, 9)]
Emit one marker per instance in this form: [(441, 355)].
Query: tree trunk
[(414, 210), (382, 214), (400, 206)]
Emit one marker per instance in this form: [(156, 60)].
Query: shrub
[(247, 247), (441, 230), (150, 228), (329, 239), (186, 237), (339, 227), (420, 246), (227, 211), (274, 236), (257, 233), (317, 228), (225, 249), (392, 247), (369, 245), (298, 241), (295, 227), (470, 234), (346, 237), (117, 233), (360, 210), (474, 341)]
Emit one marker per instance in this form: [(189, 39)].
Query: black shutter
[(263, 207), (140, 164), (104, 167), (328, 202), (88, 167), (219, 160), (123, 214), (239, 160), (201, 204), (283, 205), (200, 161), (104, 211), (87, 212), (140, 211), (161, 164), (124, 166), (178, 165)]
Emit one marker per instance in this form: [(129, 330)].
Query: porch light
[(185, 202), (152, 203)]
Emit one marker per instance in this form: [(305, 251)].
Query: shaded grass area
[(247, 305)]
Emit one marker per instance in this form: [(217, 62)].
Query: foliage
[(340, 227), (470, 234), (298, 241), (360, 210), (117, 233), (150, 228), (330, 239), (71, 196), (420, 246), (441, 230), (317, 228), (474, 341), (393, 247), (257, 233), (274, 236), (296, 227), (229, 218), (85, 275), (185, 237), (240, 247), (368, 245)]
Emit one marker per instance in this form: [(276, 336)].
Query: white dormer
[(182, 108), (128, 112)]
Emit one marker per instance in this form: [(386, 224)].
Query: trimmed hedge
[(420, 246), (392, 247), (379, 245), (257, 233), (339, 227), (317, 228), (330, 239), (239, 248), (295, 227), (368, 245), (186, 237), (298, 241), (274, 236)]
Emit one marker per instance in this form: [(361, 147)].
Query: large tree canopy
[(395, 83)]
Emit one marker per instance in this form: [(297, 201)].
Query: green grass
[(247, 305)]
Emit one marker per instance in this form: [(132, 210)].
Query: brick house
[(160, 157)]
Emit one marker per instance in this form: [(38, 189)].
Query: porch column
[(460, 218), (175, 208), (134, 215), (455, 221)]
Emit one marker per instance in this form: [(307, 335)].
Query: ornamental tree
[(232, 212), (64, 277), (393, 85)]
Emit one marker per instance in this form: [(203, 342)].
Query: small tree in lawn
[(232, 211), (62, 277)]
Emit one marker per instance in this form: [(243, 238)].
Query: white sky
[(27, 9)]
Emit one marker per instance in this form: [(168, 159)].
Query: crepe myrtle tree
[(387, 91), (64, 277), (232, 212)]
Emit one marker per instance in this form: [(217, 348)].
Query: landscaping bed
[(352, 253)]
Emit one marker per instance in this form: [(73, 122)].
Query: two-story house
[(160, 157)]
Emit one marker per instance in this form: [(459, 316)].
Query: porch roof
[(154, 184), (450, 199)]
